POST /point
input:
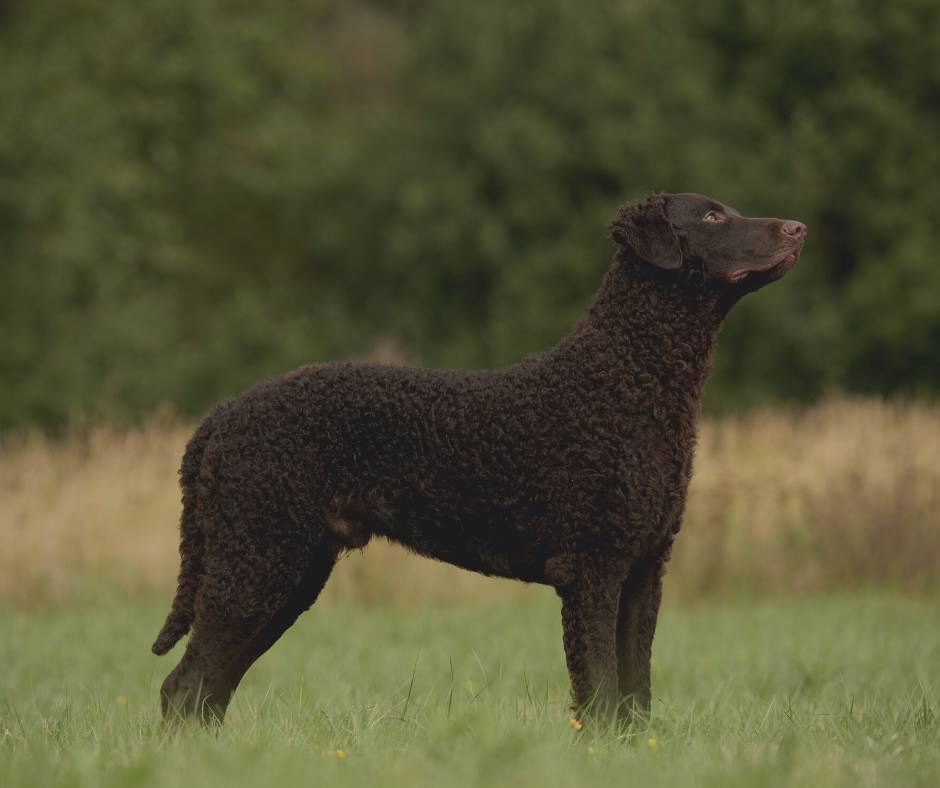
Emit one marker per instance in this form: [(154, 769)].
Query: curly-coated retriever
[(569, 468)]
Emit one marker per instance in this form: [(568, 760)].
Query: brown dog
[(569, 469)]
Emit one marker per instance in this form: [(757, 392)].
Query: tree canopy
[(198, 193)]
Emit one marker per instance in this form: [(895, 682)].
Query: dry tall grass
[(844, 493)]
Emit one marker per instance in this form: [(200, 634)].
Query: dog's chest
[(653, 485)]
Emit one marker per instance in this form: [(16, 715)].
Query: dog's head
[(674, 231)]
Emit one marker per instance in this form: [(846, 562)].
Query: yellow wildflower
[(337, 753), (121, 700), (652, 742), (576, 724)]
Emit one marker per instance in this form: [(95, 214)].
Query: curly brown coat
[(569, 468)]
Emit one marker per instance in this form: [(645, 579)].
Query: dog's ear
[(645, 228)]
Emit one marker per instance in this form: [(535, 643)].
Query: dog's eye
[(713, 216)]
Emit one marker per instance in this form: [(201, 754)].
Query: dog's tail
[(192, 544)]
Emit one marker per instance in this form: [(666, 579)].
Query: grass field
[(816, 690)]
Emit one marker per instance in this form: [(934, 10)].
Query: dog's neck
[(646, 325)]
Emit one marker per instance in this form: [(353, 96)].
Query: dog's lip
[(776, 268), (782, 266)]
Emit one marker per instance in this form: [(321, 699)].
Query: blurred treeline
[(198, 193)]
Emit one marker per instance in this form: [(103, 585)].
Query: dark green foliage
[(196, 193)]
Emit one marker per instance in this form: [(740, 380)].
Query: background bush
[(197, 193)]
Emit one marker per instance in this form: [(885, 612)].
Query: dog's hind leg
[(301, 599), (245, 604)]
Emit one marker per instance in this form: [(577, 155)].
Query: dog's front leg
[(589, 619), (639, 607)]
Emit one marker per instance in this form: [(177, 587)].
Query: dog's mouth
[(773, 270)]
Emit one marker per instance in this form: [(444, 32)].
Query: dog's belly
[(491, 543), (518, 563)]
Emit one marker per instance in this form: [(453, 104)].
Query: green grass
[(816, 690)]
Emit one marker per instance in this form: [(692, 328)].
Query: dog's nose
[(794, 229)]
